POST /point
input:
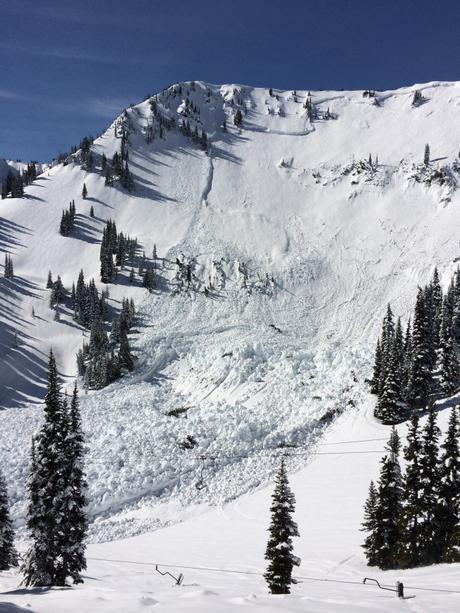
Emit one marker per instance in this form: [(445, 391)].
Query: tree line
[(13, 184), (413, 519), (414, 366)]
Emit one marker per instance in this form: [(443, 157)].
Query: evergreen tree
[(47, 491), (407, 360), (429, 480), (449, 492), (377, 373), (426, 155), (74, 527), (125, 357), (417, 99), (91, 211), (8, 270), (389, 408), (282, 528), (148, 279), (436, 293), (370, 526), (447, 357), (388, 507), (84, 192), (420, 377), (8, 553), (49, 283), (411, 516)]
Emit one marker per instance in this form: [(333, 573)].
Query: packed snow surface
[(260, 364)]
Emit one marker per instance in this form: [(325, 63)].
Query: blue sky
[(68, 67)]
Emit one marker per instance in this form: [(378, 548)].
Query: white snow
[(337, 241)]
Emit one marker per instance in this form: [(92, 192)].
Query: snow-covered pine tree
[(449, 492), (377, 372), (388, 506), (47, 487), (389, 408), (74, 526), (282, 528), (84, 192), (369, 525), (437, 298), (8, 553), (429, 481), (398, 350), (407, 358), (420, 377), (447, 357), (386, 344), (411, 517), (430, 322)]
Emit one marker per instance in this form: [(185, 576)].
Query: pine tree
[(388, 507), (91, 211), (84, 192), (429, 480), (377, 373), (426, 155), (436, 293), (417, 98), (420, 377), (124, 355), (411, 516), (389, 407), (449, 492), (447, 357), (369, 525), (282, 528), (8, 553), (49, 283), (47, 491), (74, 527)]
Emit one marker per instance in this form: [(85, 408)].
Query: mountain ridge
[(295, 240)]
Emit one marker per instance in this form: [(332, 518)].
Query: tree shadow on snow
[(84, 231), (92, 199), (10, 233)]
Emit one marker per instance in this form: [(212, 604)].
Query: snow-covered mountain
[(299, 226), (16, 167)]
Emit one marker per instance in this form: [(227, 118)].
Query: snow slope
[(257, 368), (221, 552)]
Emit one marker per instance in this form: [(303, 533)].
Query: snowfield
[(260, 365), (220, 551)]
